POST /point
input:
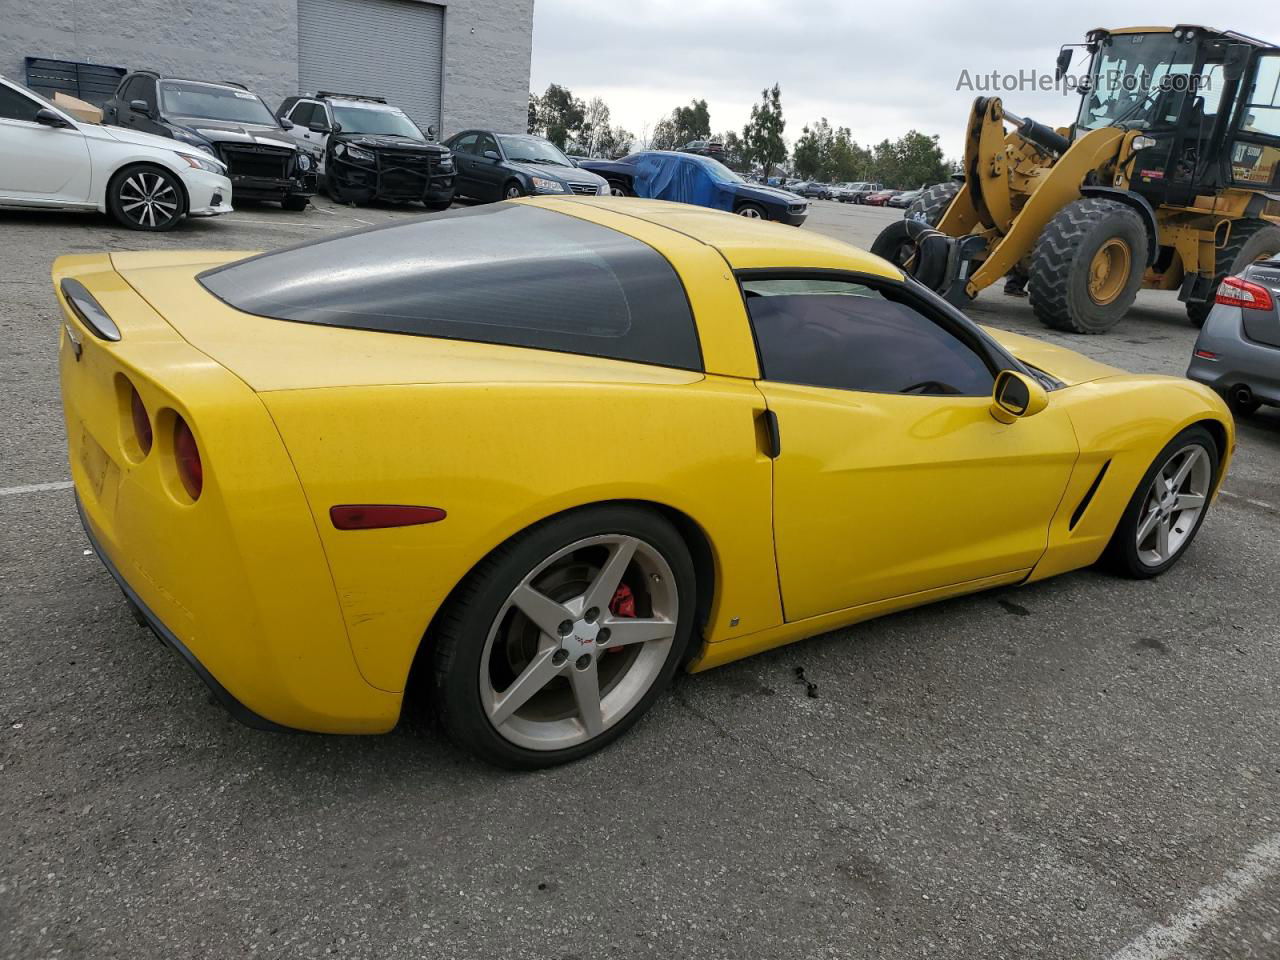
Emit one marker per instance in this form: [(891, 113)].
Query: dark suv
[(366, 149), (223, 119)]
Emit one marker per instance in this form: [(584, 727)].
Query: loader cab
[(1185, 90)]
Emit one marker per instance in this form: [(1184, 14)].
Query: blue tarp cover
[(684, 178)]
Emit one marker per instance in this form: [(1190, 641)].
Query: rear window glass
[(507, 274)]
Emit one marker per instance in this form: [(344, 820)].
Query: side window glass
[(485, 143), (847, 336), (1262, 112), (466, 144), (16, 106)]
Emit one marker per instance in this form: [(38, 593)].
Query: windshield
[(382, 121), (719, 171), (1129, 73), (532, 150), (179, 98)]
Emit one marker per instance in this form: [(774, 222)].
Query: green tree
[(533, 113), (691, 123), (560, 114), (664, 135), (762, 142), (595, 128), (733, 158)]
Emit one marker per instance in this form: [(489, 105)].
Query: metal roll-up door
[(381, 48)]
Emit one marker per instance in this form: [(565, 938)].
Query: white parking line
[(34, 488), (1257, 503), (1163, 940)]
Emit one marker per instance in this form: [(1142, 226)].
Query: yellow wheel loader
[(1168, 179)]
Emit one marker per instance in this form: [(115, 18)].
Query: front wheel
[(1167, 509), (146, 198), (563, 637), (512, 190), (295, 204), (752, 211), (1087, 266), (619, 189)]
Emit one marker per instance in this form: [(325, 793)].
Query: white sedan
[(50, 160)]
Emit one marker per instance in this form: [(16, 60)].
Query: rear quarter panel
[(500, 457)]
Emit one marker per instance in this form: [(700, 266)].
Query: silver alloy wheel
[(1173, 504), (591, 666), (148, 199), (514, 191), (750, 213)]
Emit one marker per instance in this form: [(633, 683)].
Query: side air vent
[(1088, 496)]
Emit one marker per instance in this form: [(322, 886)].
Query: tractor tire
[(1087, 266), (1250, 241), (933, 203)]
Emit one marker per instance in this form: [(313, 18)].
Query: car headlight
[(200, 163), (200, 143), (541, 185), (354, 153), (446, 162), (304, 162)]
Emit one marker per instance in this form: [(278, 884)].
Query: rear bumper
[(233, 706), (1239, 361)]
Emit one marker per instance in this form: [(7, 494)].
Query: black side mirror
[(48, 118), (336, 128), (286, 123), (318, 127), (140, 106), (1064, 62), (492, 155)]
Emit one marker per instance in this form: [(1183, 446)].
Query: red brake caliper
[(623, 604)]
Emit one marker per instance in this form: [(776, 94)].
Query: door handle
[(768, 435)]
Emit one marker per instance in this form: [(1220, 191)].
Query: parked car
[(1238, 350), (705, 148), (501, 166), (51, 160), (839, 191), (367, 149), (811, 189), (319, 470), (691, 178), (859, 192), (224, 120), (880, 197), (619, 174), (904, 199)]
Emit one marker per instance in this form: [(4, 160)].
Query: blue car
[(704, 181)]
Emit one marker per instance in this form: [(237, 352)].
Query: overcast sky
[(879, 69)]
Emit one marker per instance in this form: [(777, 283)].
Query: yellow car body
[(874, 504)]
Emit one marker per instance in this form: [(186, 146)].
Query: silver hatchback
[(1238, 350)]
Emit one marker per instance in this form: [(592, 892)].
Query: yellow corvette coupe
[(537, 456)]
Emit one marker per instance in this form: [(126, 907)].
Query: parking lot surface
[(1084, 767)]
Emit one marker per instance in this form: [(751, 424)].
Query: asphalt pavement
[(1082, 768)]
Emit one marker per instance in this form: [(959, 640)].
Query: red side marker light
[(1206, 355), (372, 516)]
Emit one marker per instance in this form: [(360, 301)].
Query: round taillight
[(187, 455), (141, 422)]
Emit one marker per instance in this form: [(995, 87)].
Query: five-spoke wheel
[(564, 636), (1166, 510)]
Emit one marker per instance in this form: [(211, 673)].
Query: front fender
[(1122, 423)]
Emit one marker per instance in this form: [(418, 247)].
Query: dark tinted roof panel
[(508, 274)]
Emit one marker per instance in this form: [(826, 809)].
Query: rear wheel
[(146, 198), (752, 211), (1250, 241), (933, 203), (1167, 509), (563, 637), (1087, 266)]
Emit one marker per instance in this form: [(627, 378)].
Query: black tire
[(752, 211), (621, 189), (918, 251), (1121, 555), (457, 637), (437, 205), (1063, 257), (933, 203), (512, 189), (124, 186), (295, 204), (1250, 240)]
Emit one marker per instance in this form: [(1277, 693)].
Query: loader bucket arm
[(1059, 186)]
